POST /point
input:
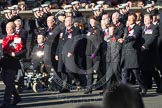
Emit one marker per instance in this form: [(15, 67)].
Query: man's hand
[(69, 55), (93, 56), (1, 40), (57, 58), (143, 47), (121, 40)]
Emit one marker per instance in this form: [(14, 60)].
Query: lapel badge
[(61, 35), (50, 33)]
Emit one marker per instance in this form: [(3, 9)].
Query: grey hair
[(19, 21)]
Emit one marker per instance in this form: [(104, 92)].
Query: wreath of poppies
[(9, 45)]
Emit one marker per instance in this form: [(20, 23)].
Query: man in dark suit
[(130, 51), (113, 57), (94, 40), (23, 34), (51, 23), (66, 65), (119, 31), (10, 65), (148, 51), (51, 35)]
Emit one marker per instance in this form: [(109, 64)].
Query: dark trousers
[(147, 76), (156, 77), (136, 71), (92, 64), (112, 74), (8, 76)]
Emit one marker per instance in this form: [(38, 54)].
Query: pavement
[(50, 99)]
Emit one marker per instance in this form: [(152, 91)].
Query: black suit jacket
[(24, 35), (119, 31), (149, 40), (48, 57), (94, 42), (65, 39), (131, 47), (65, 45)]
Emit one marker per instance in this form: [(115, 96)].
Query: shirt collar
[(131, 26)]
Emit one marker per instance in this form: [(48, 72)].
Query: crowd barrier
[(85, 12)]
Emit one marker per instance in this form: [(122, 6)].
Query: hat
[(47, 2), (36, 9), (44, 5), (100, 2), (149, 4), (74, 2), (60, 13), (154, 12), (21, 3), (15, 6), (10, 8), (97, 7), (67, 6), (7, 11), (121, 6), (68, 11)]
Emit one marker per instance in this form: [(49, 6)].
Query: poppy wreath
[(9, 46)]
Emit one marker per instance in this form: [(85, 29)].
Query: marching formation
[(89, 52)]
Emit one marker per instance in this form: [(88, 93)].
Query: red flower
[(113, 39), (8, 44), (69, 31)]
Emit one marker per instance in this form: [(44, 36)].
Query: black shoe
[(101, 93), (88, 92), (16, 101), (64, 91), (5, 106), (159, 90), (143, 92)]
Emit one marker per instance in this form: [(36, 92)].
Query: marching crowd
[(117, 47)]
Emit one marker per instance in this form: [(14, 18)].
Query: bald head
[(10, 28), (51, 18), (50, 21)]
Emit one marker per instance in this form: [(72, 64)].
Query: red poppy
[(129, 29), (113, 39), (69, 31)]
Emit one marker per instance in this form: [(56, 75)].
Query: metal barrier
[(85, 12)]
